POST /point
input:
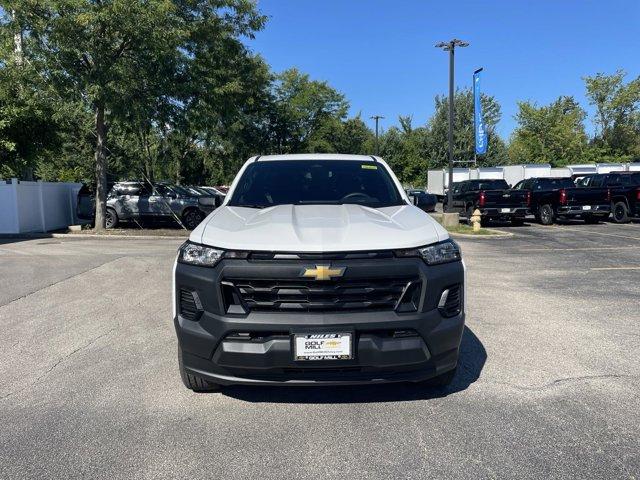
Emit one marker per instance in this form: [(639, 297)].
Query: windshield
[(306, 182), (493, 185), (554, 184)]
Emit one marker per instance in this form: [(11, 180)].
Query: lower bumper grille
[(302, 295)]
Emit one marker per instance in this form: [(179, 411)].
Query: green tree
[(617, 114), (463, 136), (121, 57), (301, 108), (551, 134)]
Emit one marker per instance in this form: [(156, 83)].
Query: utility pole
[(450, 46), (377, 118)]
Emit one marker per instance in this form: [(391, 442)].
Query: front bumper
[(387, 346), (579, 211), (504, 213)]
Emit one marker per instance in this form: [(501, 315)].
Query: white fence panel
[(8, 210), (37, 206)]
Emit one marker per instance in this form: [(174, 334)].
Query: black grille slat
[(453, 305), (300, 295), (188, 307)]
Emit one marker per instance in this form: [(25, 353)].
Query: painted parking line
[(582, 230), (615, 268), (580, 249)]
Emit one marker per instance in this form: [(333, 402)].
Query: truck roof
[(315, 156)]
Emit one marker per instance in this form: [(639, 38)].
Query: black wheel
[(197, 384), (591, 219), (192, 218), (620, 213), (517, 222), (546, 215), (442, 380), (111, 219)]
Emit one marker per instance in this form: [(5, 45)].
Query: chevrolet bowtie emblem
[(323, 272)]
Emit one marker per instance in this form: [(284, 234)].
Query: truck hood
[(318, 228)]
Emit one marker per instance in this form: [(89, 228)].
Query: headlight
[(195, 254), (441, 252)]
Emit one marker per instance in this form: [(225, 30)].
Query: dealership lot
[(548, 384)]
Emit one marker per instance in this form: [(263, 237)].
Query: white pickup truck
[(317, 269)]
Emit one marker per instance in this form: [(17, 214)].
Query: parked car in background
[(144, 201), (423, 200), (625, 192), (492, 198), (553, 198)]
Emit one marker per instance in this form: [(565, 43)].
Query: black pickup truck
[(625, 192), (553, 198), (492, 197)]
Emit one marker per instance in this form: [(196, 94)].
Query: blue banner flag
[(480, 130)]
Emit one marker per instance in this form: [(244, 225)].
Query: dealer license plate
[(505, 210), (586, 207), (322, 346)]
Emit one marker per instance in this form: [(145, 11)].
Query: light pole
[(376, 118), (450, 46)]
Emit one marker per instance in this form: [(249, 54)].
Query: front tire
[(197, 384), (111, 219), (620, 212), (469, 214), (192, 218), (546, 215)]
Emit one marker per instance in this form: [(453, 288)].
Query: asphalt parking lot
[(548, 385)]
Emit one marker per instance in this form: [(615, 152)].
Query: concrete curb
[(499, 234)]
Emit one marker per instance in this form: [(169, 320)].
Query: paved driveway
[(548, 384)]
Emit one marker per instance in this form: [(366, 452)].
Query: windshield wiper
[(250, 205)]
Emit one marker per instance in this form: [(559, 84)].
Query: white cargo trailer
[(582, 169), (560, 172), (609, 167), (514, 173), (634, 167), (438, 180), (486, 173), (435, 182)]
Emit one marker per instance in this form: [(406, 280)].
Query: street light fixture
[(376, 118), (450, 47)]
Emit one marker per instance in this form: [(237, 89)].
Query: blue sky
[(381, 53)]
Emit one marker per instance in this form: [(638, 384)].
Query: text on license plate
[(505, 210), (322, 346), (586, 207)]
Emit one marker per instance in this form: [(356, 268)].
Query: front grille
[(190, 307), (311, 295), (453, 304)]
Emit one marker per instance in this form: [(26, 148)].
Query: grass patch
[(467, 230)]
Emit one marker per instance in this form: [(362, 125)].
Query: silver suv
[(131, 201)]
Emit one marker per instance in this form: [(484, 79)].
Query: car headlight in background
[(196, 254), (436, 254)]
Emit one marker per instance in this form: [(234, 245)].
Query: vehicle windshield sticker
[(369, 167)]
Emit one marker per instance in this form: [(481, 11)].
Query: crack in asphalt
[(58, 362), (561, 381), (60, 281)]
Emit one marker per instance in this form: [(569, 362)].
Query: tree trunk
[(101, 169), (17, 40)]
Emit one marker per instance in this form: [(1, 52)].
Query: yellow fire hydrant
[(476, 219)]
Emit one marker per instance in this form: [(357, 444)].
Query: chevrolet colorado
[(317, 269)]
